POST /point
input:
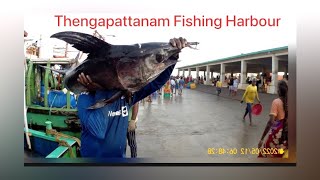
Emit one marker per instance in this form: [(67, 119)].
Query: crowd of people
[(277, 126), (177, 84)]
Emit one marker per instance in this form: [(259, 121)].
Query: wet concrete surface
[(187, 125)]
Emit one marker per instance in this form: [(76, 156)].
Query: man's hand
[(132, 125), (178, 42), (241, 101), (86, 81)]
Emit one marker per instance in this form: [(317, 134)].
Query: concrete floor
[(187, 125)]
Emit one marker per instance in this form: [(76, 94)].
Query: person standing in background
[(181, 85), (235, 86), (278, 123), (177, 85), (218, 86), (172, 86), (249, 96), (230, 83)]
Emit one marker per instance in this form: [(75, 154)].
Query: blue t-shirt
[(181, 82), (104, 130)]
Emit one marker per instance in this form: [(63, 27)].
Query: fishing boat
[(53, 124), (52, 127)]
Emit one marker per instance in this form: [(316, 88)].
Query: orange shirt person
[(278, 136)]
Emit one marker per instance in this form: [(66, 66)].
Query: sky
[(214, 43)]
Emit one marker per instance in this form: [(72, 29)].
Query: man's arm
[(154, 85), (135, 110), (132, 122)]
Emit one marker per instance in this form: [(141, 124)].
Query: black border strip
[(160, 164)]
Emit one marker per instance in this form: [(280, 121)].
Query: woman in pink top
[(278, 137)]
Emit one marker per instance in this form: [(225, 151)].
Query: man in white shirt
[(235, 86), (172, 85)]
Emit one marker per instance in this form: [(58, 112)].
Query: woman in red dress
[(278, 136)]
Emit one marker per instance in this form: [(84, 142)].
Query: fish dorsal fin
[(81, 41)]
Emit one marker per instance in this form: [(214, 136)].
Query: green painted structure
[(60, 151), (39, 111)]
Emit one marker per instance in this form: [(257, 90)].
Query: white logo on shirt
[(123, 112)]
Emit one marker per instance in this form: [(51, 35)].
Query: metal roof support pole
[(197, 69), (243, 75), (183, 72), (285, 76), (274, 79), (208, 75), (222, 72)]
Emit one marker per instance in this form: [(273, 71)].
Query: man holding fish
[(104, 128)]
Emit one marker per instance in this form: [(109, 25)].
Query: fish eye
[(159, 58)]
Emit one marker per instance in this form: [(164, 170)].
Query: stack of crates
[(193, 86), (167, 90), (167, 93)]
